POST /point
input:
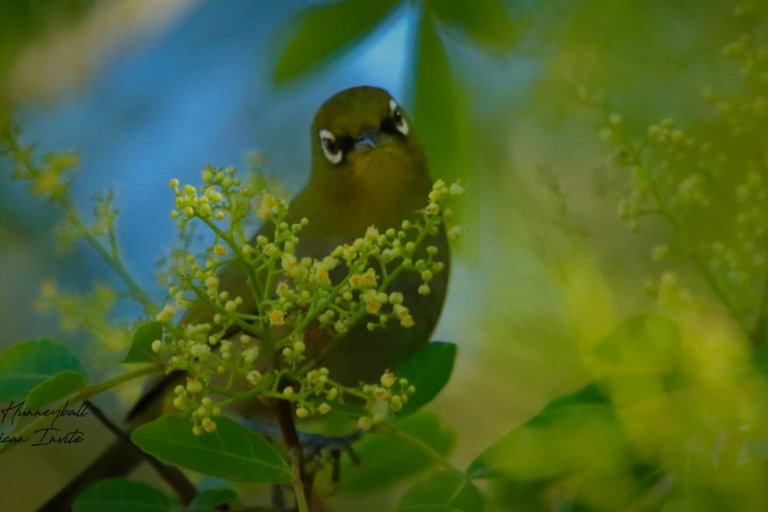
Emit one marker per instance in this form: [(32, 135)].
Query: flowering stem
[(665, 212), (252, 277), (248, 327), (112, 258)]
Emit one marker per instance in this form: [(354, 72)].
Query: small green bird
[(368, 169)]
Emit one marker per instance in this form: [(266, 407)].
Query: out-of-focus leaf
[(484, 21), (207, 501), (55, 388), (21, 22), (428, 370), (117, 495), (440, 112), (25, 365), (760, 359), (141, 344), (386, 459), (522, 496), (448, 488), (641, 345), (232, 451), (577, 432), (323, 31)]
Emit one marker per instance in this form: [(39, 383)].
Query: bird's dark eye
[(330, 146), (398, 118)]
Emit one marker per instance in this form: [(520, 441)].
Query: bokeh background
[(510, 96)]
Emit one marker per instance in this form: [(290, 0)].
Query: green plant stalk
[(85, 394), (298, 485), (113, 260), (664, 211)]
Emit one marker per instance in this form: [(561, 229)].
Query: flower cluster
[(256, 319), (713, 199), (86, 312), (259, 338)]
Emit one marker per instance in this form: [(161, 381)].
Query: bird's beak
[(367, 141)]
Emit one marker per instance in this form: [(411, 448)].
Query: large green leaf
[(117, 495), (440, 112), (232, 451), (140, 350), (60, 385), (25, 365), (576, 432), (429, 371), (322, 32), (386, 459), (640, 345), (448, 488), (207, 501), (484, 21)]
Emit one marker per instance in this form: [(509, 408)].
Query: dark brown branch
[(171, 475), (287, 424)]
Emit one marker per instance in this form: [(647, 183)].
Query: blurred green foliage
[(24, 21)]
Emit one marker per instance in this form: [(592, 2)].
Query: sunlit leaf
[(25, 365), (484, 21), (117, 495), (59, 386), (322, 32), (232, 451), (140, 350), (577, 432), (428, 370), (643, 344), (448, 488), (386, 459), (207, 501)]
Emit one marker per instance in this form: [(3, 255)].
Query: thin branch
[(170, 474), (150, 308), (302, 485)]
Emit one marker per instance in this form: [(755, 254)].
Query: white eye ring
[(332, 151), (397, 115)]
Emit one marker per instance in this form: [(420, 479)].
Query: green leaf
[(484, 21), (322, 33), (643, 344), (448, 488), (577, 432), (428, 370), (141, 344), (60, 385), (117, 495), (25, 365), (207, 501), (386, 459), (440, 110), (760, 359), (232, 451)]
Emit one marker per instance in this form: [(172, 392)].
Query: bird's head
[(362, 140)]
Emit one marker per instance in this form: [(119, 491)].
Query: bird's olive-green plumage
[(378, 183), (368, 169)]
